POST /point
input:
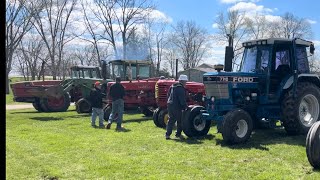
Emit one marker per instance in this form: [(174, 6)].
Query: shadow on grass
[(315, 170), (124, 130), (195, 140), (131, 111), (263, 137), (79, 116), (137, 120), (47, 118), (26, 112), (35, 112)]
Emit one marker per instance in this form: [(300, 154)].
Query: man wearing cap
[(96, 96), (116, 93), (176, 104)]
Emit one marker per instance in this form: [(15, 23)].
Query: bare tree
[(161, 42), (234, 25), (155, 34), (258, 26), (105, 18), (128, 14), (148, 35), (86, 55), (104, 13), (291, 26), (21, 65), (32, 51), (314, 64), (170, 58), (18, 22), (191, 43), (51, 24)]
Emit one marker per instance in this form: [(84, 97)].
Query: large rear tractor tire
[(163, 118), (106, 112), (300, 113), (37, 106), (147, 111), (156, 116), (193, 124), (313, 145), (53, 104), (236, 126), (83, 106)]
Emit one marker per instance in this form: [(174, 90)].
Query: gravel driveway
[(22, 106)]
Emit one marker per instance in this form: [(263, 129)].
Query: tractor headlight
[(254, 94)]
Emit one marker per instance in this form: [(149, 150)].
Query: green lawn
[(64, 146)]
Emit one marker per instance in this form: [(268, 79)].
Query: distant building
[(195, 74)]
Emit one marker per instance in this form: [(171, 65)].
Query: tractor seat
[(282, 70)]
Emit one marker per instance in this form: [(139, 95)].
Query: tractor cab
[(130, 69), (85, 72), (272, 62)]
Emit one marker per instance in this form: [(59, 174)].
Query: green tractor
[(56, 95)]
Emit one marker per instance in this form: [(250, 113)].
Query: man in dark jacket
[(96, 96), (176, 104), (116, 93)]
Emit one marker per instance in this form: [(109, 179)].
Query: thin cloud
[(215, 25), (249, 7), (311, 21), (235, 1)]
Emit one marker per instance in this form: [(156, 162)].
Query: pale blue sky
[(204, 11)]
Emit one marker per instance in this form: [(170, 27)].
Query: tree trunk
[(7, 83), (124, 44)]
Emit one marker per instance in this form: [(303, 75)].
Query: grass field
[(64, 146)]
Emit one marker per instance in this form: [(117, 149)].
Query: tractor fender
[(186, 113), (313, 78)]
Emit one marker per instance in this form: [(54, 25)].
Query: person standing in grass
[(96, 96), (176, 104), (116, 93)]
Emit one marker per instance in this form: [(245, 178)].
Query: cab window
[(302, 58)]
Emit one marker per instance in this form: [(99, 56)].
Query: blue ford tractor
[(273, 83)]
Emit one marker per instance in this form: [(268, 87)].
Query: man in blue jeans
[(96, 96), (116, 93)]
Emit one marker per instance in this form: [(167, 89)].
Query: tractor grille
[(161, 92), (217, 90)]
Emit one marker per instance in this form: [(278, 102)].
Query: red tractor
[(139, 87), (194, 93)]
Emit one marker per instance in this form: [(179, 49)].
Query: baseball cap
[(183, 77), (97, 83)]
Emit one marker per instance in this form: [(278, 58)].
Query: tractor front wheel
[(193, 124), (313, 145), (53, 104), (83, 106), (163, 118), (146, 111), (106, 112), (236, 126), (37, 106), (301, 112), (156, 116)]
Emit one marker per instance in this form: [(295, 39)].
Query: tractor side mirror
[(104, 69), (312, 49), (228, 59)]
